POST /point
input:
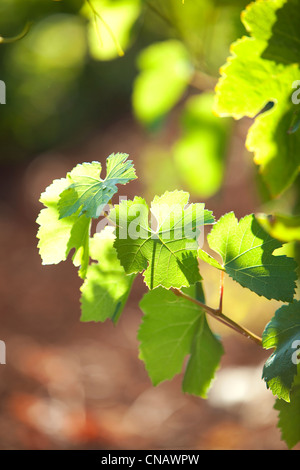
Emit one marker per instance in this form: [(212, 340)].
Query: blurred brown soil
[(70, 385)]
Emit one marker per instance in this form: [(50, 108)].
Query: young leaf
[(249, 80), (57, 237), (282, 333), (247, 254), (106, 287), (173, 328), (71, 202), (210, 260), (167, 253), (289, 415), (87, 192)]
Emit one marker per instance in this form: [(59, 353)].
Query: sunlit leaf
[(106, 288), (57, 237), (249, 81), (166, 251), (282, 333), (289, 413), (173, 328), (88, 192), (247, 254)]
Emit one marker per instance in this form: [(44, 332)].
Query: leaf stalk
[(219, 316)]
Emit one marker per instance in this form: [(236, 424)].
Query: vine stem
[(97, 15), (218, 315), (221, 292), (159, 13), (18, 37)]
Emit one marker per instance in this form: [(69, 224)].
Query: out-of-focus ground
[(72, 385)]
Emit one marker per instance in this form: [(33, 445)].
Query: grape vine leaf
[(249, 81), (167, 251), (247, 254), (281, 333), (289, 415), (87, 192), (172, 329), (57, 237), (284, 47), (106, 287)]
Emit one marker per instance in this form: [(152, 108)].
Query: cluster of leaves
[(161, 243), (262, 69), (259, 81), (73, 50), (256, 82)]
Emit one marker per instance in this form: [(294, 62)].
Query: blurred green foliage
[(200, 152), (54, 88), (67, 75), (165, 72)]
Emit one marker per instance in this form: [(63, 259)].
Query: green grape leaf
[(201, 366), (289, 415), (283, 334), (106, 287), (163, 66), (87, 192), (57, 237), (285, 228), (283, 47), (247, 254), (210, 260), (167, 251), (249, 82), (172, 329)]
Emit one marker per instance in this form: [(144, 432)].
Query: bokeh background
[(72, 97)]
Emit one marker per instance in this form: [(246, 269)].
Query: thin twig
[(221, 292), (16, 38), (221, 317), (203, 81), (159, 13)]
